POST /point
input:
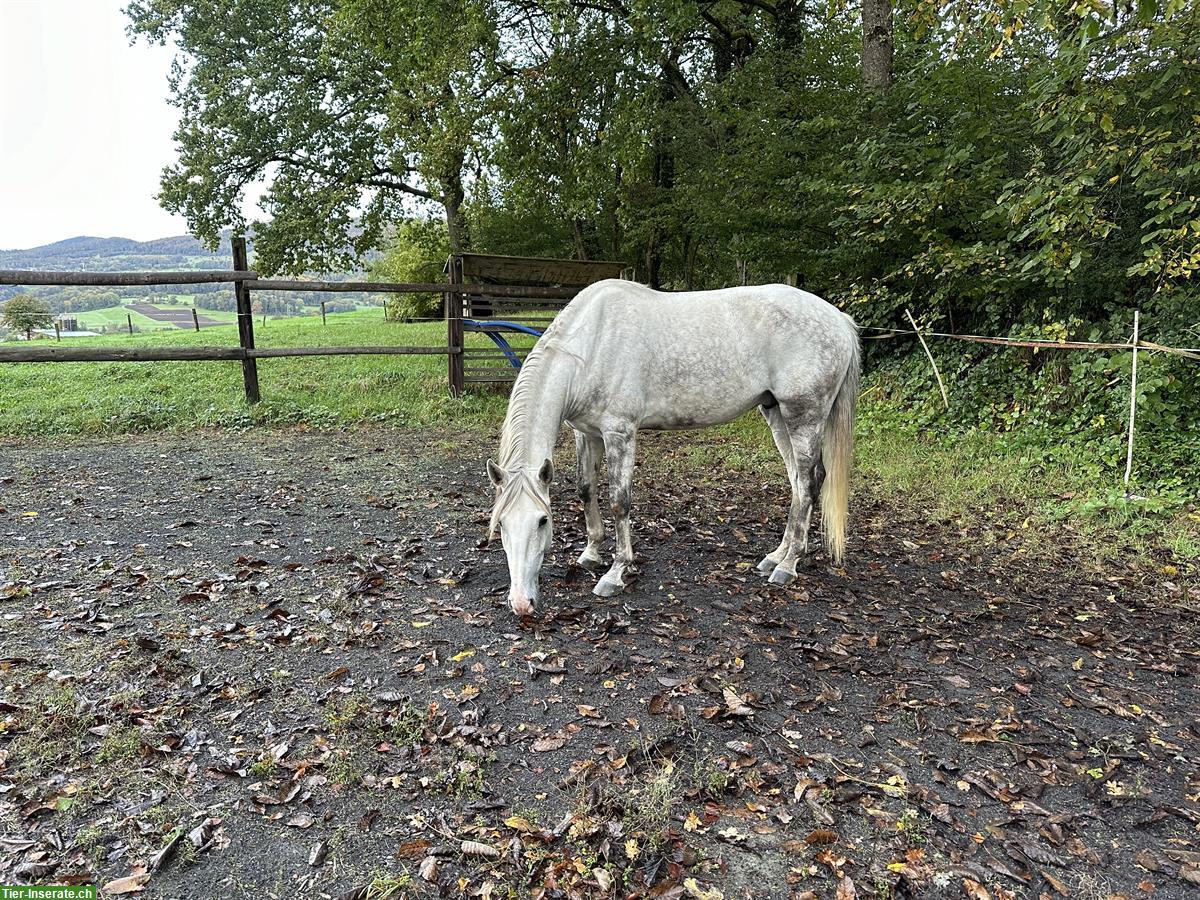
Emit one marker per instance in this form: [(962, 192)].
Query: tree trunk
[(453, 197), (877, 44), (671, 87)]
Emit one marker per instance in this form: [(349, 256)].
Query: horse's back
[(702, 357), (759, 314)]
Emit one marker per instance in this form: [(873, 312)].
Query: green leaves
[(25, 312)]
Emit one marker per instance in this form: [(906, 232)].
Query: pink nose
[(521, 606)]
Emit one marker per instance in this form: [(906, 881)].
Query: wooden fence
[(457, 299)]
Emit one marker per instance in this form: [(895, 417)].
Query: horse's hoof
[(591, 563), (781, 576), (766, 566), (606, 587)]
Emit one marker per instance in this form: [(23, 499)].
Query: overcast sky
[(85, 127)]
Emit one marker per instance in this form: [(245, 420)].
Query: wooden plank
[(273, 352), (533, 304), (194, 354), (525, 270), (122, 279), (117, 354), (404, 287), (520, 319), (455, 339), (245, 320), (478, 379)]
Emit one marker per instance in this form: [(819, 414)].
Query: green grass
[(114, 398), (115, 317), (987, 485), (218, 315)]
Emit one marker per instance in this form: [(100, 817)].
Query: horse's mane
[(521, 405)]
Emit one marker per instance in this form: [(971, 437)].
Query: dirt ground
[(282, 664)]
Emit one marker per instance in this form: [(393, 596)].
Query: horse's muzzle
[(521, 606)]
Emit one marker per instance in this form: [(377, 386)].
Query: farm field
[(114, 317), (295, 646)]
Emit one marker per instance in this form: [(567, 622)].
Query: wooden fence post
[(323, 320), (1132, 405), (129, 322), (57, 331), (454, 329), (195, 318), (936, 373), (245, 322)]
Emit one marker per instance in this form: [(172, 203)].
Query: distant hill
[(100, 254), (181, 253)]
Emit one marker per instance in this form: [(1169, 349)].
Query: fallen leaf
[(130, 884), (548, 742), (475, 848), (692, 886), (820, 836), (429, 869)]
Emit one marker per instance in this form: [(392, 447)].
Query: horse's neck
[(536, 409)]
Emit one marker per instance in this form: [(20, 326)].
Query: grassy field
[(114, 317), (980, 479), (106, 398)]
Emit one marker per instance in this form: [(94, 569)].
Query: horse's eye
[(542, 522)]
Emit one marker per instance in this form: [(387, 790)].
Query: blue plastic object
[(493, 330)]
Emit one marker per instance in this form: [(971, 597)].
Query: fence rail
[(244, 281), (200, 354), (121, 279), (401, 287)]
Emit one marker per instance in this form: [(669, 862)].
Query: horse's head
[(522, 513)]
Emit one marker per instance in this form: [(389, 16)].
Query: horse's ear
[(495, 473), (546, 473)]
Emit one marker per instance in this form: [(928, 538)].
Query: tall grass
[(107, 398)]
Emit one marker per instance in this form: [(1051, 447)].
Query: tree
[(25, 313), (350, 111), (417, 253)]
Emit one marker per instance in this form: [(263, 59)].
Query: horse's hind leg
[(805, 433), (620, 448), (587, 452), (783, 442)]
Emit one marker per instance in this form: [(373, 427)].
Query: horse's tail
[(837, 452)]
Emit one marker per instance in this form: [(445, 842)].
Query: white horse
[(621, 357)]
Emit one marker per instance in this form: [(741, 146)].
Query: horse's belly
[(699, 411)]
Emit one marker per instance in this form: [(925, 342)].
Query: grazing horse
[(621, 357)]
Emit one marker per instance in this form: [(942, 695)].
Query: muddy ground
[(282, 664)]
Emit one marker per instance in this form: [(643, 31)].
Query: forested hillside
[(97, 254), (180, 253)]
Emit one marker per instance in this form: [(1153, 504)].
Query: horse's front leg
[(587, 452), (620, 447)]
